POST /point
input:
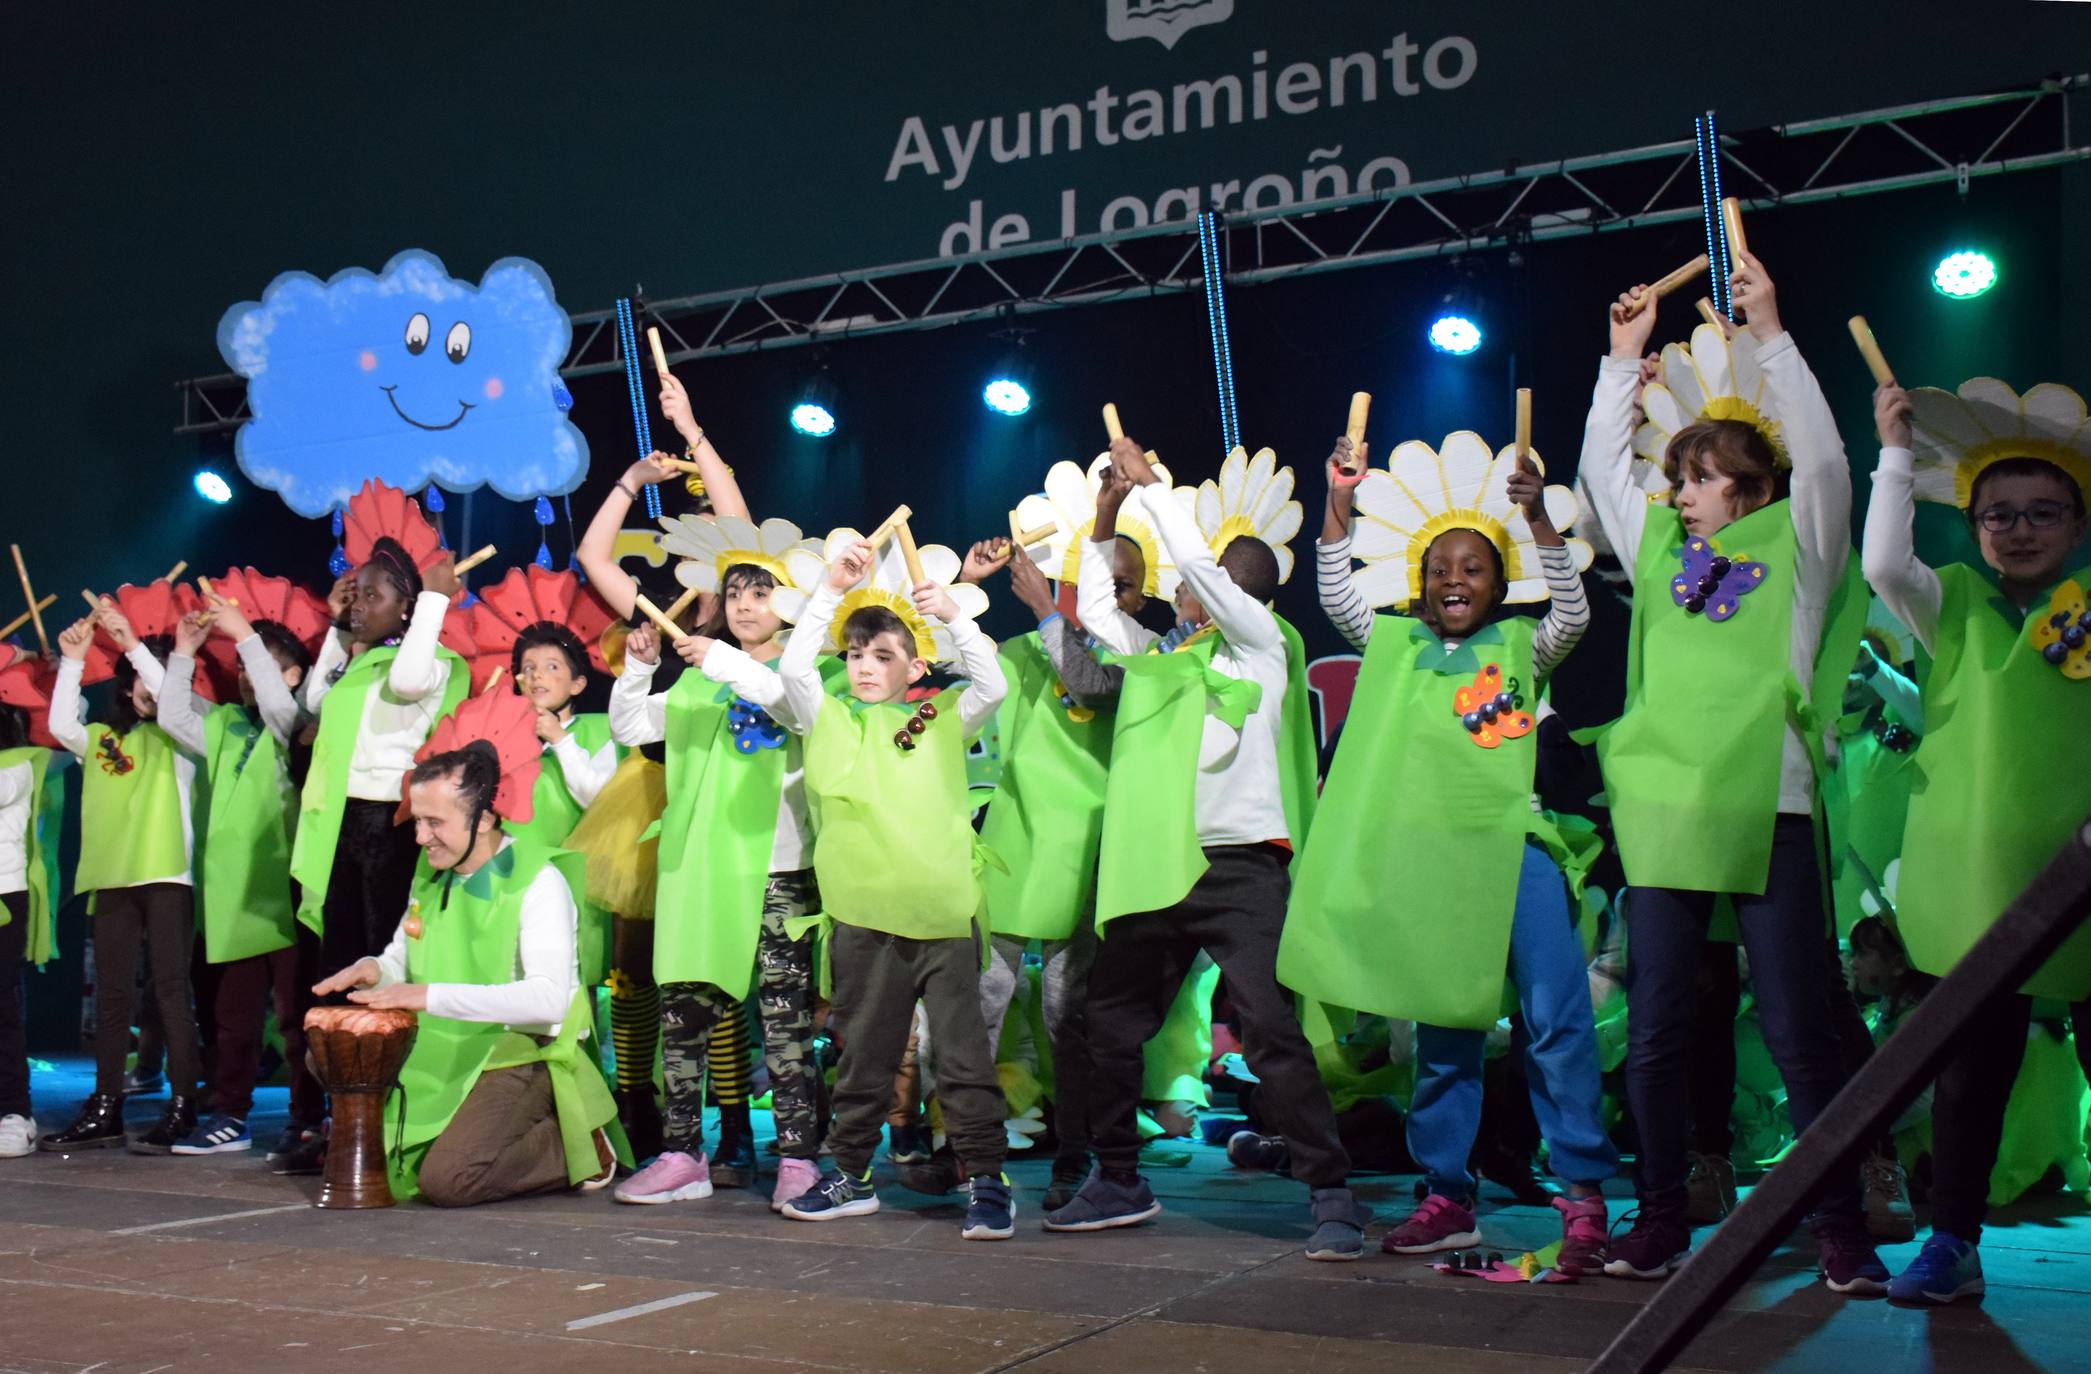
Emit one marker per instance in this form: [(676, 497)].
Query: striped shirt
[(1567, 616)]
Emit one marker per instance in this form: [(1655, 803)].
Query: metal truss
[(1894, 149)]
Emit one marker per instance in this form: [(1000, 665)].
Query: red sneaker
[(1584, 1245), (1439, 1224)]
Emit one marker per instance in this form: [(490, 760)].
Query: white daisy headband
[(708, 547), (1069, 505)]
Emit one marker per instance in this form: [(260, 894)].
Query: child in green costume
[(1431, 689), (497, 1099), (25, 915), (1710, 770), (249, 928), (136, 853), (1197, 792), (1990, 801), (894, 855), (733, 862)]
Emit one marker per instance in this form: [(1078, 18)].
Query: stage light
[(213, 488), (813, 419), (1964, 274), (1455, 334), (1006, 396)]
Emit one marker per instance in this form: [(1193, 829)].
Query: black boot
[(98, 1126), (174, 1123), (640, 1112), (733, 1163)]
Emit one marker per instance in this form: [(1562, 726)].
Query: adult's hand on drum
[(361, 974), (394, 997)]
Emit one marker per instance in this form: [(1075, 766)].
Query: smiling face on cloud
[(408, 375)]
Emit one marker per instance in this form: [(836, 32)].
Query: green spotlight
[(1964, 275)]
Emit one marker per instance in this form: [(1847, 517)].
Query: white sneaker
[(17, 1136)]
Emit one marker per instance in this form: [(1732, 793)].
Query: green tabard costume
[(130, 810), (553, 815), (1997, 786), (243, 844), (37, 857), (326, 785), (1047, 816), (472, 939), (1866, 806)]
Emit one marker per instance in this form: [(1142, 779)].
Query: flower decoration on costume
[(503, 722), (1716, 378), (1712, 583), (888, 585), (260, 597), (1955, 435), (484, 633), (1069, 506), (381, 511), (1491, 709), (26, 681), (1460, 485), (752, 726), (2062, 632), (1252, 496), (153, 609), (708, 547)]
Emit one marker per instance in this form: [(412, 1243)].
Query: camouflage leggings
[(784, 992)]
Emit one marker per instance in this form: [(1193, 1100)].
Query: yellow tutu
[(621, 869)]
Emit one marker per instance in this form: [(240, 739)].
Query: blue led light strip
[(1216, 323), (1709, 208), (1724, 262), (628, 344)]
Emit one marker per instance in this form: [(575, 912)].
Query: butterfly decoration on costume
[(1712, 583), (1492, 710), (2063, 633), (1076, 712), (752, 726), (115, 762)]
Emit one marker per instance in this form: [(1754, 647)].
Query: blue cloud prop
[(408, 375)]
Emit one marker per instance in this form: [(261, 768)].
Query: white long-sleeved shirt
[(68, 727), (1907, 586), (547, 965), (986, 685), (396, 720), (586, 774), (1820, 507), (1238, 798), (17, 784), (639, 716), (273, 700), (1567, 615)]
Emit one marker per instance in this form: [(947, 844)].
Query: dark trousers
[(878, 979), (1783, 930), (14, 1046), (1234, 912), (243, 989), (367, 888), (1716, 1001), (1967, 1112), (162, 915), (504, 1142)]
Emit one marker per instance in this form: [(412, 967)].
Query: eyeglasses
[(2041, 515)]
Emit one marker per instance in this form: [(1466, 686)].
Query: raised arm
[(63, 719), (178, 714), (597, 551), (1337, 584), (1606, 466), (1568, 615), (272, 695), (719, 485), (1246, 623), (986, 684), (799, 666), (416, 669), (638, 714), (1906, 585), (1096, 577)]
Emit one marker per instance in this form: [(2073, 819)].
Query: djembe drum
[(356, 1053)]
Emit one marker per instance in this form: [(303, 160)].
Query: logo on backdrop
[(1164, 21), (408, 375)]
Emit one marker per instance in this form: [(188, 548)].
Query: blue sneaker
[(836, 1195), (1946, 1270), (1101, 1204), (990, 1212), (216, 1134)]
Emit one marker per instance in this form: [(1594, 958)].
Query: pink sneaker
[(1584, 1237), (795, 1178), (1439, 1224), (672, 1177)]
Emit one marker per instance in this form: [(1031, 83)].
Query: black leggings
[(162, 916), (14, 1045)]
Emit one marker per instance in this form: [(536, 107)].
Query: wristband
[(626, 490)]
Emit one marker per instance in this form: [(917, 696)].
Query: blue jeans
[(1783, 931), (1553, 989)]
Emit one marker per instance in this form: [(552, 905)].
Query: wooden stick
[(1111, 425), (1731, 220), (885, 530), (1021, 538), (660, 354), (1711, 315), (1671, 282), (465, 565), (1524, 422), (681, 465), (94, 603), (34, 613), (175, 572), (493, 680), (660, 618), (43, 641), (1862, 335), (682, 603), (908, 552), (204, 583), (1360, 407)]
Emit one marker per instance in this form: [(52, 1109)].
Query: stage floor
[(122, 1265)]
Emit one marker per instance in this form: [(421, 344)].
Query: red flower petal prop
[(26, 681), (507, 722), (153, 609), (484, 635), (261, 597), (385, 511)]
